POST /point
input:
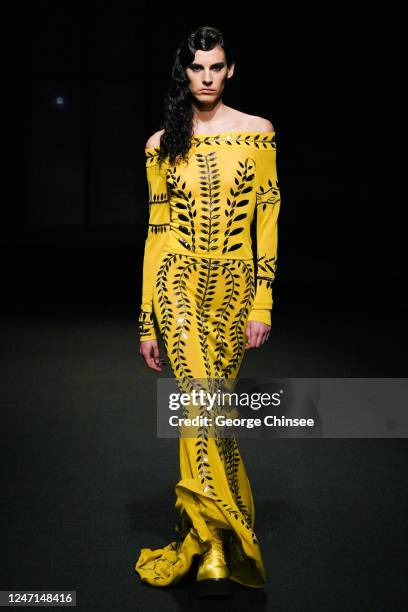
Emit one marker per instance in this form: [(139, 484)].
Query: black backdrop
[(85, 91)]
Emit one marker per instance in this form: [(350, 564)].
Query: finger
[(156, 354), (259, 339), (152, 364), (248, 332), (148, 354), (252, 339)]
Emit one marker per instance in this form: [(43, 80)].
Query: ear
[(231, 71)]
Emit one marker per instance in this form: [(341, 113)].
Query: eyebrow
[(212, 65)]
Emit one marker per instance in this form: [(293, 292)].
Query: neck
[(207, 116)]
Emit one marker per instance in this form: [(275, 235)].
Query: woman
[(211, 170)]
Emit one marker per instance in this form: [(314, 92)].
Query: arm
[(158, 228), (267, 212)]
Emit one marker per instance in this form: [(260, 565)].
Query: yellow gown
[(202, 284)]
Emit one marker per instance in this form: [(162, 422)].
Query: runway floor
[(87, 483)]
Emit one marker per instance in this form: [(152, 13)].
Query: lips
[(207, 90)]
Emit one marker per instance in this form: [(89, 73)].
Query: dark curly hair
[(176, 140)]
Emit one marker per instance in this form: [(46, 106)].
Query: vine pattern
[(184, 207), (265, 141), (210, 272), (210, 183), (177, 312), (245, 175)]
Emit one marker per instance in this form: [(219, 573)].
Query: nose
[(207, 80)]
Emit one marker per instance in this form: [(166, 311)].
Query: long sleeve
[(158, 228), (267, 212)]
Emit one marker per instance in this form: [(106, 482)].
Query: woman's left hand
[(257, 334)]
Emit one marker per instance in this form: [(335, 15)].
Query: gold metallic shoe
[(213, 574)]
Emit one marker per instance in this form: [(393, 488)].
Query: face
[(208, 70)]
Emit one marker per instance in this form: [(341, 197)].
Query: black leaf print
[(237, 202)]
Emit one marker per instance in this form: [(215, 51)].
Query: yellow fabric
[(200, 282), (243, 185)]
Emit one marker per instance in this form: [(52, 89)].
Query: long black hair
[(177, 122)]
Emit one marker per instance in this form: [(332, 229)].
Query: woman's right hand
[(149, 349)]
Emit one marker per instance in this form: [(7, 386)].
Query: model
[(211, 170)]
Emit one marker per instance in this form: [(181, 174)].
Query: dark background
[(85, 90), (75, 220)]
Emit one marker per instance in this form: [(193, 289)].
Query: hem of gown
[(168, 565)]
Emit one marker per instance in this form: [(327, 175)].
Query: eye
[(195, 68)]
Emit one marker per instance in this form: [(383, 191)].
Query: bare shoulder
[(154, 140), (250, 123), (260, 124)]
